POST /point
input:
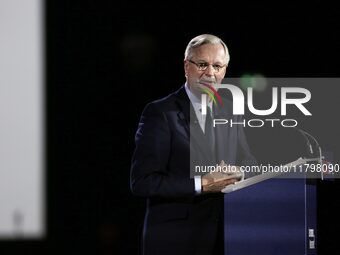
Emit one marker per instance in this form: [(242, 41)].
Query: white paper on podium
[(262, 177)]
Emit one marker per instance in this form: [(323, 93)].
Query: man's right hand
[(216, 181), (211, 184)]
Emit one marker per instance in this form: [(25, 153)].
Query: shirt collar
[(196, 102)]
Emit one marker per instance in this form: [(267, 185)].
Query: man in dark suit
[(185, 209)]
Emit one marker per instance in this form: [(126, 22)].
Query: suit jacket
[(177, 220)]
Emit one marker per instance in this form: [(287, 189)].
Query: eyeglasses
[(202, 66)]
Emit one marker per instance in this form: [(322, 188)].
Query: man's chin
[(199, 87)]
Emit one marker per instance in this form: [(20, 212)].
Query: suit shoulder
[(164, 104)]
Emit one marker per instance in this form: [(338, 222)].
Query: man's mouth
[(206, 82)]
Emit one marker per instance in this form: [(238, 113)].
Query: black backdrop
[(106, 60)]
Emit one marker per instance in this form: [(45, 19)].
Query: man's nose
[(210, 71)]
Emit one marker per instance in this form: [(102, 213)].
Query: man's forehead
[(212, 52)]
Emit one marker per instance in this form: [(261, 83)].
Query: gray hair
[(205, 39)]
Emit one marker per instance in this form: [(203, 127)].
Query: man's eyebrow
[(206, 62), (201, 61)]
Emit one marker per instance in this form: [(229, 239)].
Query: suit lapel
[(183, 114), (193, 129)]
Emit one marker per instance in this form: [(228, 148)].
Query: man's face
[(212, 56)]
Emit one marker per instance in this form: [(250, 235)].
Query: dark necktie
[(209, 130)]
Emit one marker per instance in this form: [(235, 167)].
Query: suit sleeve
[(150, 173)]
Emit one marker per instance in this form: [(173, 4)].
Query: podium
[(271, 216)]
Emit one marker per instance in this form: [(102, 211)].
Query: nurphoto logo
[(295, 96)]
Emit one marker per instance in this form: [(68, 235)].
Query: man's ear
[(186, 66), (225, 71)]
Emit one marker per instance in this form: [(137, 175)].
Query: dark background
[(106, 60)]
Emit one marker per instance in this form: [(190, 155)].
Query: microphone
[(305, 134), (309, 145)]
